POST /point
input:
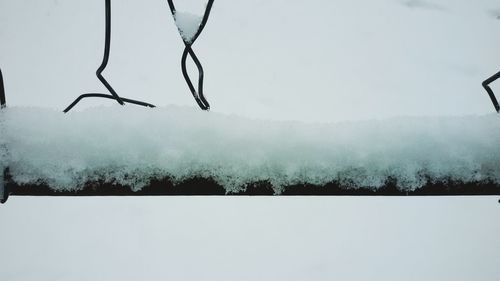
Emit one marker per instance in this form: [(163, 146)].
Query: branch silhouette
[(113, 95)]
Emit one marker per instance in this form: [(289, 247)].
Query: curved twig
[(198, 95), (104, 63), (3, 102), (4, 192), (97, 95), (486, 86), (105, 59)]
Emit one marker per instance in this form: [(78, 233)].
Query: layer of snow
[(132, 145), (187, 24)]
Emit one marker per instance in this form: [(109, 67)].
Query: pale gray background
[(265, 239), (315, 60)]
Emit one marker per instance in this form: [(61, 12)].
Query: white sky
[(317, 60), (265, 239)]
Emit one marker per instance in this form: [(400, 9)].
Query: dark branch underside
[(207, 186)]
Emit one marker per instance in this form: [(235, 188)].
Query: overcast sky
[(244, 238), (316, 60)]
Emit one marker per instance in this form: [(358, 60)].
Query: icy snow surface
[(131, 145), (187, 24)]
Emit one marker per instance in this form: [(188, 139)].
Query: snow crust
[(187, 24), (130, 145)]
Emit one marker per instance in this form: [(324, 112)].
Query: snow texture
[(130, 146), (187, 24)]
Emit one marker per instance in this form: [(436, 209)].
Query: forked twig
[(197, 94), (113, 95)]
